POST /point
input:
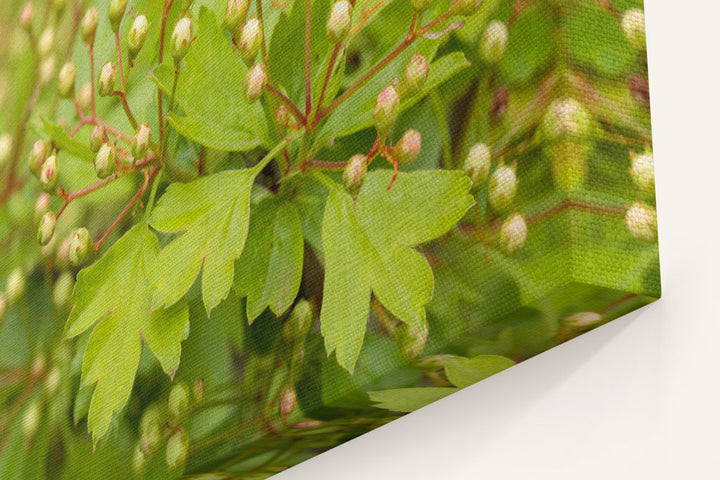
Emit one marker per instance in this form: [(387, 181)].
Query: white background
[(638, 398)]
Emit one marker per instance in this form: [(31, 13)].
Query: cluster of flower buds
[(354, 174), (641, 222), (494, 42), (633, 25), (477, 164), (566, 127), (339, 21)]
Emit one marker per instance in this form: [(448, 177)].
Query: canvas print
[(238, 233)]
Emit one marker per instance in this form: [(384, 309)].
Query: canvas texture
[(236, 234)]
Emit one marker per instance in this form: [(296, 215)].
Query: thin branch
[(328, 74), (287, 102)]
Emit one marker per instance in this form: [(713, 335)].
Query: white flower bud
[(79, 246), (288, 401), (181, 38), (141, 141), (116, 10), (52, 381), (47, 70), (503, 185), (235, 14), (97, 138), (106, 79), (414, 76), (255, 82), (137, 34), (49, 173), (63, 289), (177, 450), (566, 117), (633, 25), (37, 156), (66, 80), (85, 96), (26, 17), (179, 400), (477, 164), (513, 234), (642, 170), (105, 161), (88, 26), (339, 21), (31, 420), (46, 41), (6, 145), (641, 221), (46, 230), (41, 206), (494, 41), (15, 286), (251, 38)]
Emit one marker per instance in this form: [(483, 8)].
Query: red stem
[(287, 102), (328, 74)]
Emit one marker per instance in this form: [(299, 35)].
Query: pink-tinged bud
[(26, 17), (641, 221), (84, 97), (251, 38), (97, 138), (297, 326), (494, 41), (46, 42), (633, 25), (105, 160), (49, 173), (6, 145), (178, 400), (66, 80), (501, 191), (15, 286), (582, 319), (141, 141), (513, 234), (408, 148), (642, 170), (354, 174), (235, 14), (181, 39), (150, 434), (177, 450), (88, 26), (288, 401), (414, 76), (387, 109), (281, 116), (47, 70), (501, 99), (63, 289), (465, 8), (199, 390), (79, 246), (106, 79), (420, 5), (255, 82), (62, 256), (339, 21), (116, 10), (137, 34), (41, 206), (640, 90), (477, 164), (37, 157), (46, 230), (3, 306)]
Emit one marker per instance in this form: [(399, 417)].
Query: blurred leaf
[(530, 46), (463, 372), (409, 399)]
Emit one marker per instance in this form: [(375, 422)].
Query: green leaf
[(270, 268), (113, 296), (409, 399), (216, 113), (530, 46), (367, 247), (356, 113), (463, 372), (67, 144), (213, 215)]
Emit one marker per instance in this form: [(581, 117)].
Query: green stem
[(325, 180), (269, 157)]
